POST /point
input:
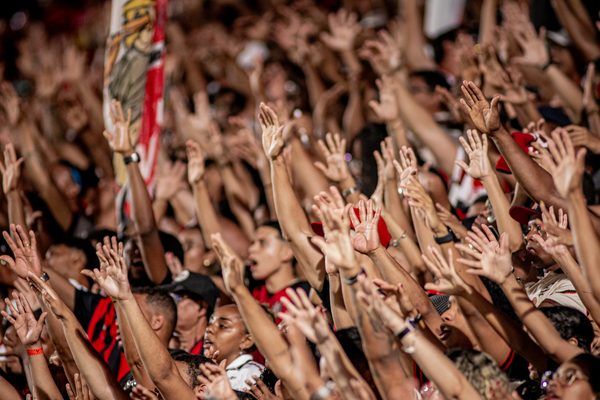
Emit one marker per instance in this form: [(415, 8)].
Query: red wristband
[(35, 352)]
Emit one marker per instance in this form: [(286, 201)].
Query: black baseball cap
[(197, 285)]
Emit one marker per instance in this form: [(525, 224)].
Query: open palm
[(367, 235), (485, 115)]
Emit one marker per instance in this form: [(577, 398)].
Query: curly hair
[(480, 370)]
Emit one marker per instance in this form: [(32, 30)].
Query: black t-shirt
[(97, 316)]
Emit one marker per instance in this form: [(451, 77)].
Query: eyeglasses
[(564, 378)]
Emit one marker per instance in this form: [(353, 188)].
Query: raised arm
[(567, 171), (267, 337), (207, 216), (440, 369), (24, 248), (536, 182), (379, 346), (153, 254), (11, 171), (415, 39), (158, 363), (29, 331), (103, 384), (497, 267), (419, 121), (566, 262), (306, 317), (480, 168), (290, 214)]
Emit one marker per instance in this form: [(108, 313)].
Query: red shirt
[(198, 348), (273, 300)]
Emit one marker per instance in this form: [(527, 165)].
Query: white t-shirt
[(555, 289), (243, 368)]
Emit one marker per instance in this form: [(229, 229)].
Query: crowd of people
[(353, 201)]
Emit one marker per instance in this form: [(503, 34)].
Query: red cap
[(523, 214), (384, 234), (524, 140)]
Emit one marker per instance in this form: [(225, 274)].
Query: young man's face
[(267, 252), (455, 330)]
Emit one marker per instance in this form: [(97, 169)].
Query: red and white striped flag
[(133, 75)]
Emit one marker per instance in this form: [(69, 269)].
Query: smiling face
[(570, 382), (227, 333), (267, 252), (455, 331)]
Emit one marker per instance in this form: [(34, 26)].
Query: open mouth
[(445, 333)]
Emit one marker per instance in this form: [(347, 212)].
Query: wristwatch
[(45, 277), (134, 157), (450, 237)]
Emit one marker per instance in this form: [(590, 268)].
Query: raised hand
[(26, 326), (338, 247), (417, 197), (366, 226), (119, 140), (581, 136), (231, 264), (170, 180), (200, 120), (565, 166), (448, 280), (485, 116), (112, 275), (477, 149), (374, 301), (9, 100), (82, 392), (387, 108), (384, 54), (305, 316), (407, 166), (195, 162), (215, 379), (259, 389), (344, 28), (174, 264), (551, 244), (11, 169), (24, 249), (558, 229), (334, 152), (495, 266), (49, 296), (272, 132), (141, 393), (484, 237), (534, 47), (334, 201)]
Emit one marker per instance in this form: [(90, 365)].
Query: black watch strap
[(134, 157), (444, 239), (354, 279)]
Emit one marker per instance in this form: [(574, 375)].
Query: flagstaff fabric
[(133, 75)]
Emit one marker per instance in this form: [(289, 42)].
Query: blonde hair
[(480, 369)]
